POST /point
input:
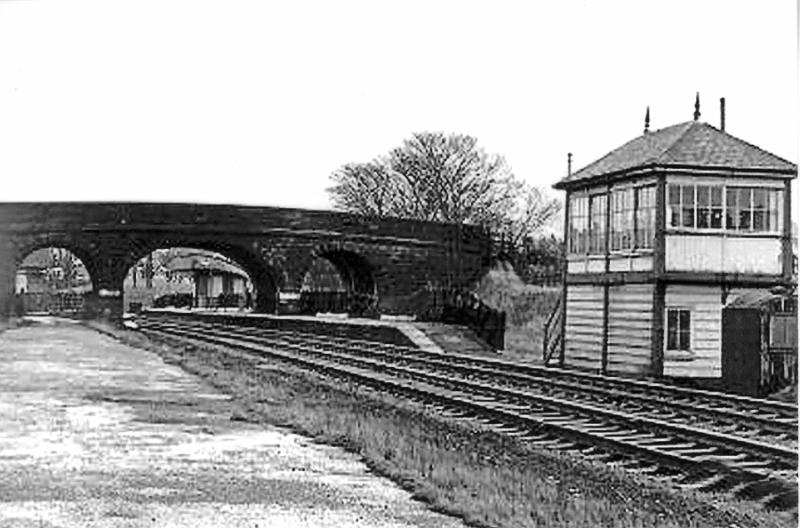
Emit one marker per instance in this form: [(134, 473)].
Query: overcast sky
[(257, 103)]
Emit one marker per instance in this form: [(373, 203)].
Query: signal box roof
[(686, 146)]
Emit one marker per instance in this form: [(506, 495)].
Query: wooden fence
[(54, 303), (464, 308), (326, 301)]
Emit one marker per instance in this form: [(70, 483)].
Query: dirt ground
[(97, 434)]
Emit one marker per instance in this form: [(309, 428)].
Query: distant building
[(216, 282), (186, 277), (662, 234), (51, 270)]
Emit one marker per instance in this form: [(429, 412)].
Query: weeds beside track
[(693, 457)]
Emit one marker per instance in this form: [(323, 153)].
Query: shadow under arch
[(260, 274), (357, 277)]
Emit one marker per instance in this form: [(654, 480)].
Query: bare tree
[(368, 189), (449, 178), (531, 212)]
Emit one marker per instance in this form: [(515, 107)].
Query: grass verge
[(486, 478), (527, 308)]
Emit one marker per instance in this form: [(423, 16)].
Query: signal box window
[(679, 332)]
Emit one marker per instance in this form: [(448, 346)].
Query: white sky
[(257, 103)]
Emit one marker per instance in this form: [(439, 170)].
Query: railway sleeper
[(634, 439), (696, 451), (533, 438), (565, 421), (704, 483), (571, 423), (600, 428), (655, 441), (623, 434)]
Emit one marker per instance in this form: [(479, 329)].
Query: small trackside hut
[(662, 233)]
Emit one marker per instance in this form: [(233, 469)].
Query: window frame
[(597, 197), (627, 214), (651, 219), (578, 201), (688, 332), (772, 210), (768, 214)]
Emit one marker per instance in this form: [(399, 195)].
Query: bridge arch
[(72, 244), (262, 276), (356, 274), (390, 258), (50, 277)]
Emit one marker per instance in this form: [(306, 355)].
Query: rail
[(736, 462)]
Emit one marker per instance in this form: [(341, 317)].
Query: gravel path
[(97, 434)]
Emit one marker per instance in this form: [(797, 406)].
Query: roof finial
[(647, 120), (697, 106), (569, 164)]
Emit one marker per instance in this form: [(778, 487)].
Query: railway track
[(772, 421), (638, 432)]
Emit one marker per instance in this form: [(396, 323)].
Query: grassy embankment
[(462, 469), (527, 308)]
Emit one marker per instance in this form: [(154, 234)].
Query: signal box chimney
[(722, 114)]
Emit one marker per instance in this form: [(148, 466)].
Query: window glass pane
[(629, 223), (684, 324), (674, 194), (775, 207), (703, 218), (759, 220), (683, 339), (578, 224), (774, 220), (716, 196), (744, 219), (703, 194), (622, 219), (687, 192), (672, 330), (732, 212), (674, 213), (730, 198), (732, 218), (597, 208), (645, 217), (672, 339), (683, 318), (688, 216), (644, 196), (773, 199), (744, 198), (759, 198), (716, 217)]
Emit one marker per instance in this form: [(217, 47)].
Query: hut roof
[(203, 262)]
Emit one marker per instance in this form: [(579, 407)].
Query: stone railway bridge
[(394, 259)]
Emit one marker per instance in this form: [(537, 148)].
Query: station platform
[(95, 433), (436, 337)]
